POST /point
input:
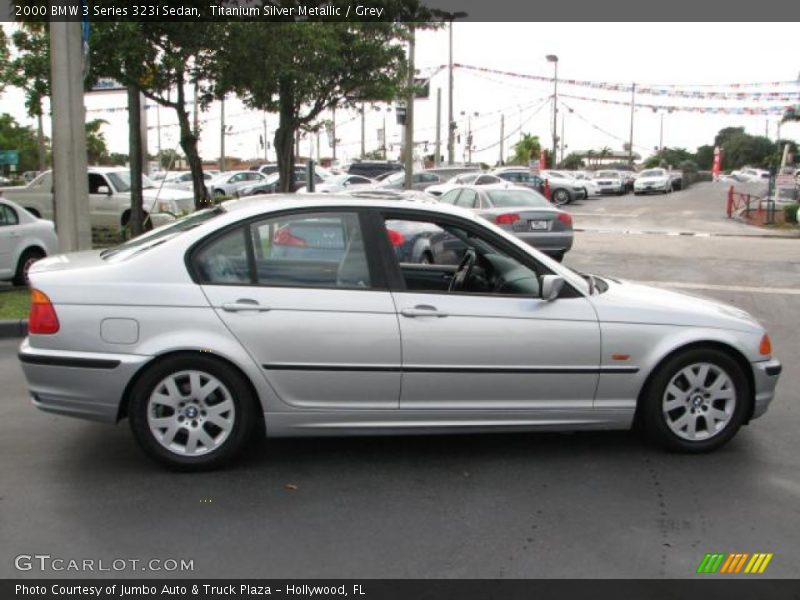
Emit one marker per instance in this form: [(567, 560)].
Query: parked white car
[(610, 182), (109, 198), (752, 175), (24, 239), (564, 188), (590, 186), (476, 178), (230, 182), (653, 180), (339, 183)]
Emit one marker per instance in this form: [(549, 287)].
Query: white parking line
[(723, 288)]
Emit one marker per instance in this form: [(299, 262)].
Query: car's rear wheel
[(192, 412), (696, 402), (24, 264), (560, 197)]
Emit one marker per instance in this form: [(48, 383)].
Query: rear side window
[(317, 250), (8, 216)]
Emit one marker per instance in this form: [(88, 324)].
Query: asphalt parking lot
[(516, 506)]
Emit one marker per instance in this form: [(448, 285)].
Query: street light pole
[(451, 129), (633, 108), (409, 145), (554, 59)]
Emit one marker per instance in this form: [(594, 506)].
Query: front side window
[(440, 257)]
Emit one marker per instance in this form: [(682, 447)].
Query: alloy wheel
[(191, 413), (699, 401)]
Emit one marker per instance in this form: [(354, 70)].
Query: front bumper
[(765, 378), (87, 385)]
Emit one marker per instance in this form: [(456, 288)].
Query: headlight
[(166, 206)]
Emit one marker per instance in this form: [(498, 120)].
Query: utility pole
[(451, 123), (563, 116), (135, 157), (222, 135), (42, 160), (70, 182), (502, 136), (438, 154), (333, 133), (633, 108), (384, 133), (158, 131), (661, 135), (266, 139), (363, 132), (196, 123), (469, 138), (554, 59), (409, 145)]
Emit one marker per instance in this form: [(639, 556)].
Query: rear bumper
[(548, 242), (765, 378), (86, 385)]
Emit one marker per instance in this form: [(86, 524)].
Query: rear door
[(308, 301), (9, 237)]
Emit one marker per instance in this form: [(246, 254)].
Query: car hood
[(183, 199), (657, 179), (629, 302)]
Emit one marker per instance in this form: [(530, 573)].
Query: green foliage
[(790, 213), (704, 157), (168, 158), (671, 157), (29, 69), (96, 148), (573, 162), (14, 136), (526, 149)]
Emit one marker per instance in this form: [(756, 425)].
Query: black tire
[(561, 197), (26, 259), (219, 194), (654, 420), (247, 412), (34, 212), (558, 256)]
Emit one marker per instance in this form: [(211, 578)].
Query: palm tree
[(590, 155), (526, 149), (605, 152)]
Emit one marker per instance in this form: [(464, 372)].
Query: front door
[(487, 341), (302, 297)]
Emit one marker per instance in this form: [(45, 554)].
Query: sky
[(644, 53)]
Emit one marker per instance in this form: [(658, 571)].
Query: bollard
[(730, 202)]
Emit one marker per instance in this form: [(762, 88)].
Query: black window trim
[(377, 271), (13, 212)]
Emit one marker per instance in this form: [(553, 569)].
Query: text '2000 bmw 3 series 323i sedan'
[(317, 316)]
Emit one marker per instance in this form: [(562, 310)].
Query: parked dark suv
[(374, 168)]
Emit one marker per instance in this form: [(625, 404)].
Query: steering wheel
[(463, 270)]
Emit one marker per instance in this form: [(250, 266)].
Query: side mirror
[(550, 287), (104, 189)]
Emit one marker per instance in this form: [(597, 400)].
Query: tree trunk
[(136, 214), (284, 140), (42, 159), (189, 145)]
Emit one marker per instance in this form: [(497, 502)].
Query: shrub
[(790, 213)]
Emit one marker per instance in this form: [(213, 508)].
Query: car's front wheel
[(696, 402), (192, 412), (561, 197)]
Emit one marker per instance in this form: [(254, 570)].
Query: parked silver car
[(24, 239), (295, 317), (521, 211), (230, 182)]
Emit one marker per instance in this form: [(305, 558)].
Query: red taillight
[(506, 219), (43, 319), (395, 238), (285, 237), (565, 218)]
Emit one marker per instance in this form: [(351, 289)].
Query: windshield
[(122, 181), (162, 234), (521, 197), (652, 173)]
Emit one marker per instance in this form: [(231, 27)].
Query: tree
[(526, 149), (163, 59), (573, 162), (14, 136), (29, 70), (302, 69), (704, 157), (96, 148), (168, 158), (669, 156)]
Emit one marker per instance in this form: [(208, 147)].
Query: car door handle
[(243, 304), (422, 310)]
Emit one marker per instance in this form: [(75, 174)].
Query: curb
[(13, 329)]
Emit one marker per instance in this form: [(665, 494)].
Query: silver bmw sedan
[(315, 316)]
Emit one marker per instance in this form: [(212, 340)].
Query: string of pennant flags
[(722, 110), (671, 90)]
